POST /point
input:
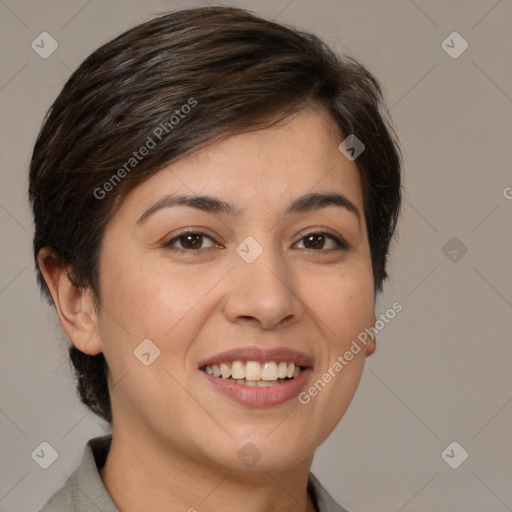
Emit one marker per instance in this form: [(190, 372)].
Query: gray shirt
[(84, 490)]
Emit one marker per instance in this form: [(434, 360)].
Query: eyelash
[(340, 242)]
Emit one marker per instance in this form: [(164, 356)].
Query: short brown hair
[(236, 72)]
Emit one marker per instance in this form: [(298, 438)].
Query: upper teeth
[(254, 370)]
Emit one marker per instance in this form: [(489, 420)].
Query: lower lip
[(260, 397)]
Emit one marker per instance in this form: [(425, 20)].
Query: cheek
[(345, 307), (147, 299), (166, 305), (344, 301), (140, 303)]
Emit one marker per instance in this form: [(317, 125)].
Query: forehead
[(260, 169)]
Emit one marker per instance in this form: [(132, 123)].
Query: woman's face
[(260, 278)]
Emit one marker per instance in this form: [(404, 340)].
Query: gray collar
[(84, 490)]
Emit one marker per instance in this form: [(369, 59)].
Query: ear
[(75, 306), (371, 344)]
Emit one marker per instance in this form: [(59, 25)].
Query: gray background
[(441, 372)]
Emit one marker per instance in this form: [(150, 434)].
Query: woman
[(214, 197)]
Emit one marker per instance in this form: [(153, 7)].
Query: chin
[(269, 450)]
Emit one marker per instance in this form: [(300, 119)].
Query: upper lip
[(261, 355)]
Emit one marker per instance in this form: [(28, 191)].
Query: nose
[(263, 293)]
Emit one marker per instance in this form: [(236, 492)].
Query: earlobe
[(75, 306)]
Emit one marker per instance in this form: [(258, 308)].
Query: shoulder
[(322, 499), (84, 490), (57, 503)]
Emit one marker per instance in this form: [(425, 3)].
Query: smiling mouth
[(255, 373)]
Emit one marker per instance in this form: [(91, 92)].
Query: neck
[(164, 478)]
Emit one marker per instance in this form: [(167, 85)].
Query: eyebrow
[(305, 203)]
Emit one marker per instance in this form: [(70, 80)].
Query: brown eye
[(193, 241), (314, 241), (317, 241), (189, 241)]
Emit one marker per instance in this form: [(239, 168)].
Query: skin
[(175, 432)]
